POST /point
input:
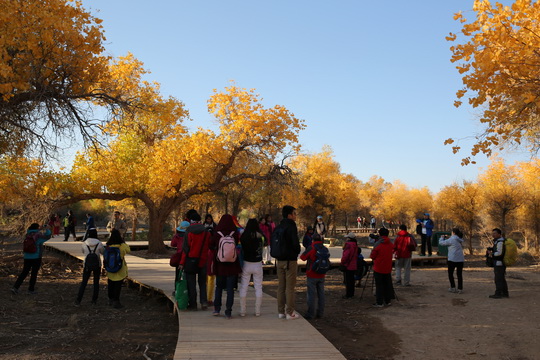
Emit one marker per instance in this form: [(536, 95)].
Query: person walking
[(226, 271), (252, 246), (90, 224), (267, 227), (92, 250), (315, 280), (69, 226), (349, 263), (115, 279), (33, 254), (499, 269), (382, 269), (455, 258), (404, 245), (287, 263)]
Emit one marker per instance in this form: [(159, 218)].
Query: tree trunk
[(134, 222), (156, 222)]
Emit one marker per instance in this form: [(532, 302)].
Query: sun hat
[(183, 226)]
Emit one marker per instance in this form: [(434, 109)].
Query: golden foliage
[(500, 64)]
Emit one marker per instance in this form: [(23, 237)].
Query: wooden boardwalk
[(203, 336)]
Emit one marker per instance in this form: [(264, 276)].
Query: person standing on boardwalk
[(194, 259), (455, 258), (226, 271), (91, 265), (404, 245), (427, 231), (115, 279), (349, 260), (372, 222), (69, 226), (287, 263), (499, 269), (117, 223), (382, 269), (33, 253), (320, 227), (315, 280), (267, 227), (252, 246)]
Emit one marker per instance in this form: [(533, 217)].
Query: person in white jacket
[(91, 245), (455, 258)]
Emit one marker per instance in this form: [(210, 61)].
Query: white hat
[(351, 235)]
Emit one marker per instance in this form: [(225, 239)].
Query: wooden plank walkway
[(203, 336)]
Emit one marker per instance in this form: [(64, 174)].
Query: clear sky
[(371, 79)]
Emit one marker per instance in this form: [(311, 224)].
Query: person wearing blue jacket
[(427, 231), (32, 260)]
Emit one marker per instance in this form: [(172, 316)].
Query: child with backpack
[(116, 266), (318, 263), (33, 253), (252, 246), (92, 250)]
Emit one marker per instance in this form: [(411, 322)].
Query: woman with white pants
[(252, 246)]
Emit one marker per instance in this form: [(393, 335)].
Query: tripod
[(372, 282)]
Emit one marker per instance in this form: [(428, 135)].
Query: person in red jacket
[(349, 261), (382, 269), (193, 261), (315, 281), (404, 245)]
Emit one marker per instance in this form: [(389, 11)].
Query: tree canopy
[(500, 63)]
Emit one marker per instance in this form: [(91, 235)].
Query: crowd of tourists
[(213, 258)]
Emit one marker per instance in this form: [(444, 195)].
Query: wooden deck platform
[(203, 336)]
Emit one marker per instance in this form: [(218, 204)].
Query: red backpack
[(29, 243)]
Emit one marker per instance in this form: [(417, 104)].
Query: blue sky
[(371, 79)]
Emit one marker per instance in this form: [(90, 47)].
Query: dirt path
[(428, 322)]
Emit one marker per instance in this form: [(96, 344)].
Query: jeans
[(228, 283), (286, 271), (349, 283), (384, 291), (459, 266), (192, 280), (315, 293), (501, 288), (68, 231), (426, 240), (86, 275), (29, 265), (405, 264)]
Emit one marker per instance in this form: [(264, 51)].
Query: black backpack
[(91, 262), (321, 265), (277, 243)]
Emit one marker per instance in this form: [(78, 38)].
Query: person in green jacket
[(32, 260)]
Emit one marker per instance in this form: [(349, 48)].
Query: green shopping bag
[(181, 292)]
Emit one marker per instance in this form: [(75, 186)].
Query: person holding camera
[(455, 258), (497, 253)]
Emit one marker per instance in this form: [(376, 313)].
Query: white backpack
[(226, 248)]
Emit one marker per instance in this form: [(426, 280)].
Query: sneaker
[(31, 292), (257, 314), (14, 291), (459, 291), (215, 313), (242, 314), (495, 296), (398, 283), (228, 317), (308, 317), (388, 304), (293, 316), (452, 290), (117, 305), (281, 316), (377, 305)]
